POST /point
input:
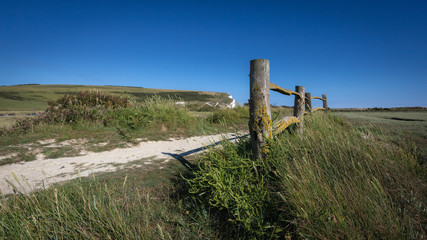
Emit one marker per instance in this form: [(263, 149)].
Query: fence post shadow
[(181, 157)]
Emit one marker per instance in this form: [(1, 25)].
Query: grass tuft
[(129, 204)]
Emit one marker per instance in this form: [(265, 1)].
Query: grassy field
[(402, 126), (35, 97), (334, 182), (352, 176), (407, 120)]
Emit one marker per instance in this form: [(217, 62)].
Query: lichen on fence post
[(260, 125), (325, 103), (308, 102), (299, 107)]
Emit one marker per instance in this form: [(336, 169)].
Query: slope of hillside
[(34, 97)]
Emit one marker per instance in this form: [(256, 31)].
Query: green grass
[(335, 181), (57, 152), (413, 121), (129, 204), (36, 97), (332, 182), (401, 126), (277, 113), (7, 119), (155, 118), (338, 180)]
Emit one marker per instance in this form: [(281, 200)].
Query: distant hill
[(379, 109), (34, 97)]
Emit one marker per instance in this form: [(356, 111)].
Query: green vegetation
[(96, 117), (403, 126), (278, 113), (238, 115), (129, 204), (377, 109), (94, 108), (7, 119), (335, 181), (35, 97), (338, 180), (408, 120)]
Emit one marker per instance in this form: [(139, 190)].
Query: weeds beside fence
[(332, 182)]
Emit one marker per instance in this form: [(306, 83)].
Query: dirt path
[(43, 173)]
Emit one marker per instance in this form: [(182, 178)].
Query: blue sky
[(360, 53)]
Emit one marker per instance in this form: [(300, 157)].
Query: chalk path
[(42, 173)]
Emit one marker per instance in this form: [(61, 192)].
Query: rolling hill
[(35, 97)]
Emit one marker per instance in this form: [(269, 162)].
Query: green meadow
[(408, 126)]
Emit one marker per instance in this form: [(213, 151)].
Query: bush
[(229, 180), (93, 98), (85, 105)]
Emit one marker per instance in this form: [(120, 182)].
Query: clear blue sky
[(361, 53)]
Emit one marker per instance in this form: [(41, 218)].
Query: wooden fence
[(261, 126)]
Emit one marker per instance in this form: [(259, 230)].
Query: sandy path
[(43, 173)]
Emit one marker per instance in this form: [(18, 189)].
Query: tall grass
[(155, 116), (238, 115), (97, 108), (332, 182), (339, 182), (83, 110), (131, 204), (116, 121)]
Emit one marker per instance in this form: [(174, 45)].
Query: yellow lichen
[(284, 123), (276, 88), (262, 127), (318, 98), (319, 108)]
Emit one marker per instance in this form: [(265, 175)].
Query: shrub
[(91, 98), (85, 105), (229, 180)]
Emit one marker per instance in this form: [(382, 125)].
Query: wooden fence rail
[(261, 127)]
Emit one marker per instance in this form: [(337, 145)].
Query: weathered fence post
[(325, 102), (299, 107), (308, 101), (260, 125)]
